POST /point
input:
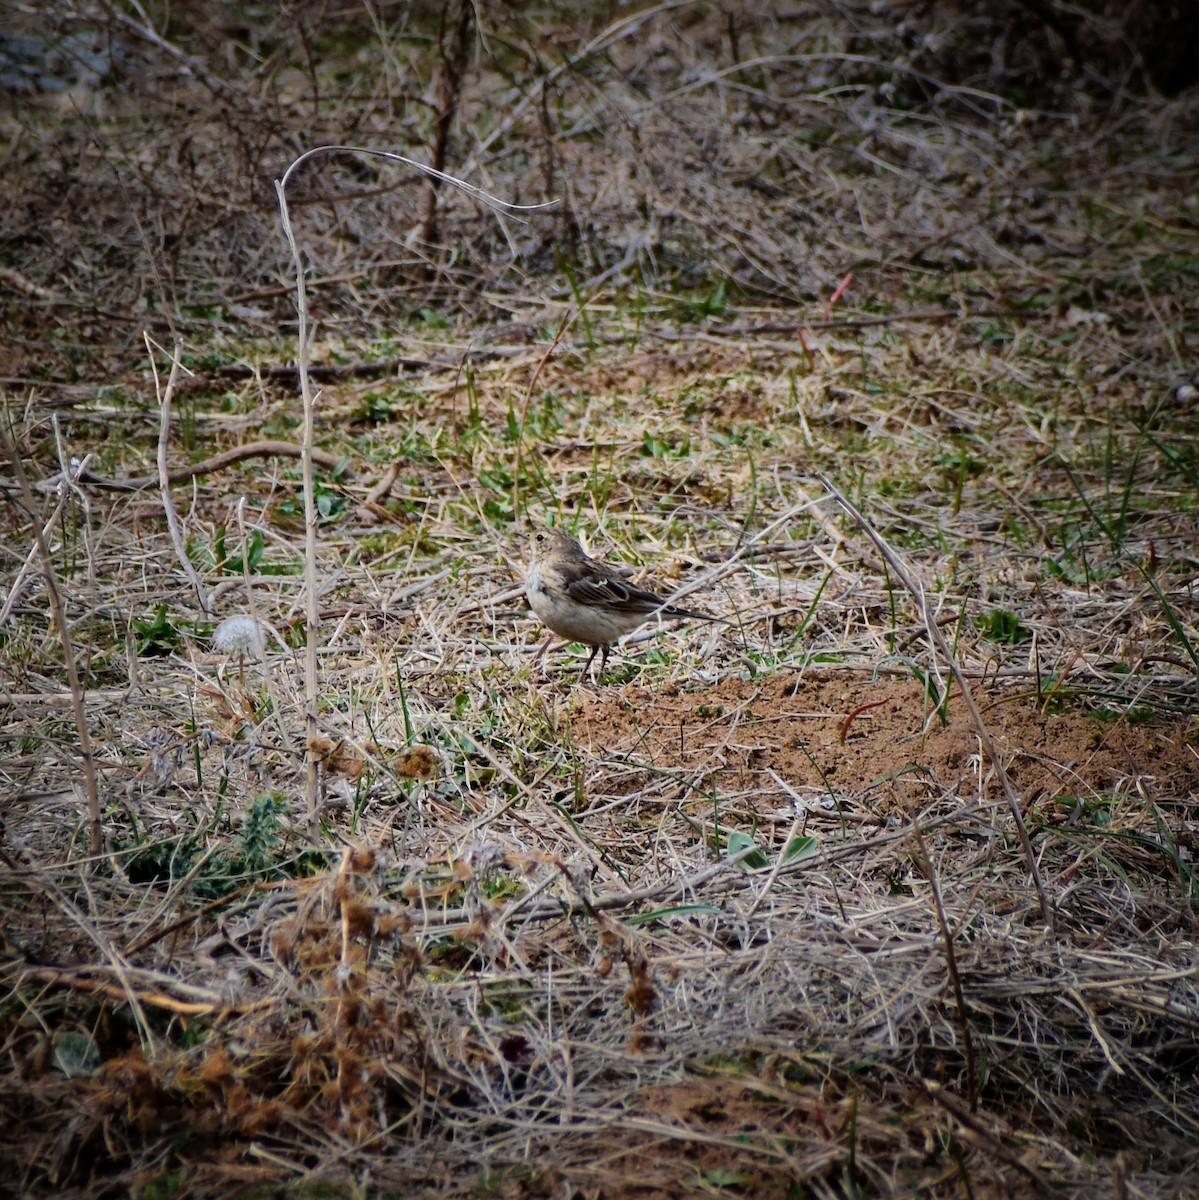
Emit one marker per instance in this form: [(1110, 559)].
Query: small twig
[(780, 859), (312, 615), (803, 345), (853, 716), (345, 969), (925, 863), (382, 485), (23, 283), (971, 1121), (928, 315), (189, 918), (842, 287), (567, 319), (64, 633), (65, 488), (449, 86), (58, 699), (164, 482), (217, 462), (148, 996), (476, 193), (328, 372), (984, 736)]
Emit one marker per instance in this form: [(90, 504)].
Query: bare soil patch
[(881, 746)]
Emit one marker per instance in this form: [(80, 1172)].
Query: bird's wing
[(607, 590), (689, 614)]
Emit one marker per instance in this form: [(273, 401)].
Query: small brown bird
[(587, 601)]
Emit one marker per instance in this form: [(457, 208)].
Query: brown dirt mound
[(877, 746)]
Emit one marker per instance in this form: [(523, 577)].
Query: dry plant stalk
[(164, 474), (25, 502), (568, 319), (312, 616), (263, 448), (984, 736), (449, 88), (925, 863)]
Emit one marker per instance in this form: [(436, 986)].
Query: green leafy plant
[(330, 502), (1004, 628), (738, 841), (157, 634)]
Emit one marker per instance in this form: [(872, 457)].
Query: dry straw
[(561, 941)]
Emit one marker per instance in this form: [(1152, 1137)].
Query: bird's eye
[(539, 538)]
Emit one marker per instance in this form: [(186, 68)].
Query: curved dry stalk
[(984, 736), (217, 462), (312, 617), (165, 395)]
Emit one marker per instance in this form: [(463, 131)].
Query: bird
[(584, 600)]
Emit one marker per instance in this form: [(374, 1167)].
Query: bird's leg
[(590, 660), (549, 641), (603, 661)]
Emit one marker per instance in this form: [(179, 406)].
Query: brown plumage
[(584, 600)]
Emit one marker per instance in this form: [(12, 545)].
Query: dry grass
[(751, 918)]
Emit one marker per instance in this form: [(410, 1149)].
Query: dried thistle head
[(239, 636)]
